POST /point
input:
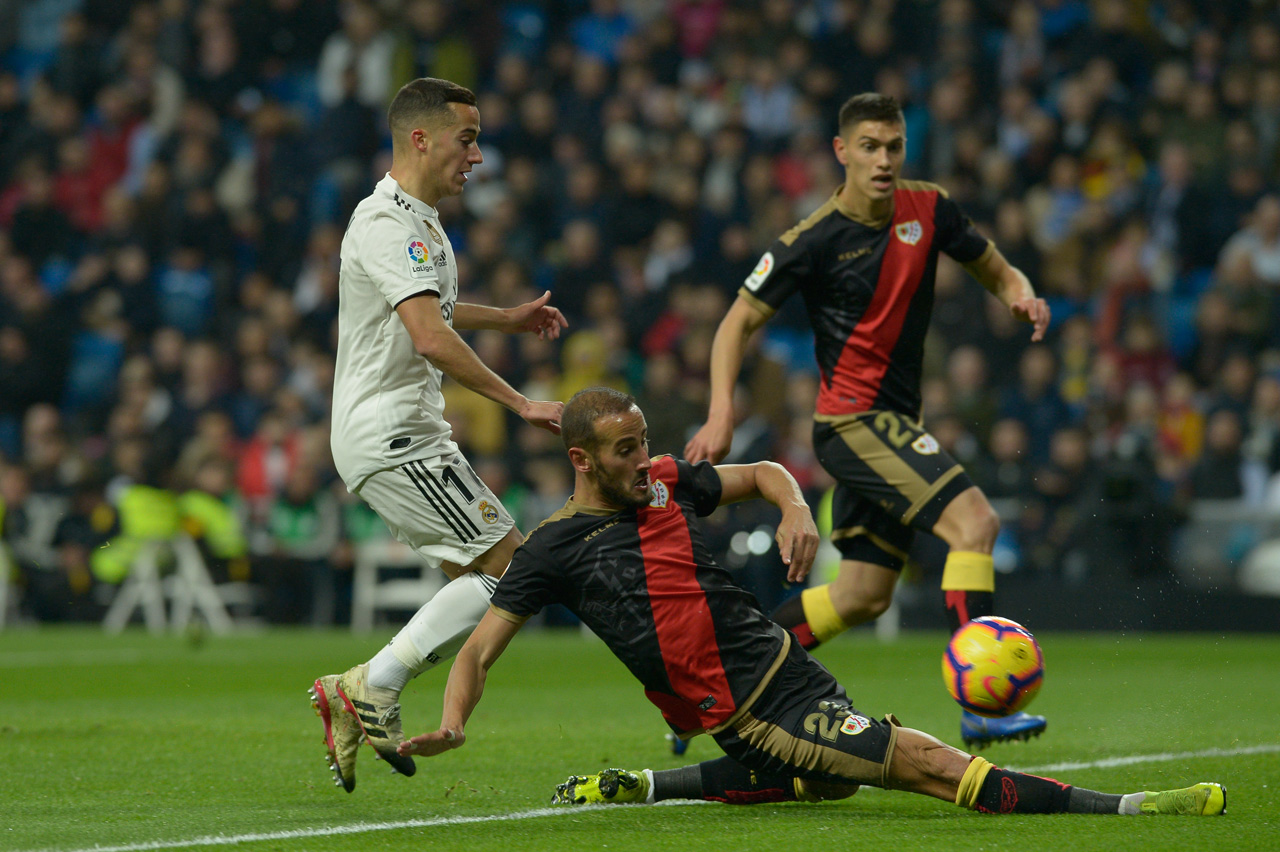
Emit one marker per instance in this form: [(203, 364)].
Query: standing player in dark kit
[(627, 556), (865, 263)]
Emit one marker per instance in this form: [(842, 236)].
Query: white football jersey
[(387, 405)]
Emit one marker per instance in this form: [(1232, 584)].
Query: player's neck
[(864, 208), (417, 187)]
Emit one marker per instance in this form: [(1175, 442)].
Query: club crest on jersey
[(488, 512), (761, 272), (909, 232), (925, 445), (660, 494), (855, 724), (419, 259), (435, 235)]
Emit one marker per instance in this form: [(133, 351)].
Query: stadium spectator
[(1223, 472)]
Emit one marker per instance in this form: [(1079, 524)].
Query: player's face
[(872, 153), (621, 464), (453, 151)]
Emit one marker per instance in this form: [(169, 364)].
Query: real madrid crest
[(660, 494), (488, 511), (435, 235)]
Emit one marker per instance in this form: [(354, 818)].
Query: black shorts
[(803, 726), (892, 478)]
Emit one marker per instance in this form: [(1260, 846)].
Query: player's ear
[(580, 459), (837, 145)]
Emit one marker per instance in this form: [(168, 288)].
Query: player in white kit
[(398, 308)]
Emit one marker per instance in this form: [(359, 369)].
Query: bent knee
[(970, 523)]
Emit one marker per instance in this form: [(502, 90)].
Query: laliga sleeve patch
[(761, 272), (419, 258)]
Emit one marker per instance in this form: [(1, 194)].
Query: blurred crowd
[(175, 176)]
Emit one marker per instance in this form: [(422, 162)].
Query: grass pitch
[(139, 743)]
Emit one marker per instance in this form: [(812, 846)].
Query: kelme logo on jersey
[(488, 512), (761, 272), (419, 259), (925, 445), (660, 494), (909, 232)]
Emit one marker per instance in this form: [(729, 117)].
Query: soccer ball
[(993, 666)]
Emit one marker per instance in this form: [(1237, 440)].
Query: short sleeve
[(702, 483), (527, 586), (954, 232), (779, 273), (398, 261)]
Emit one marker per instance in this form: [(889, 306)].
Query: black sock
[(790, 614), (722, 780), (1005, 792), (682, 783), (963, 607), (1082, 801)]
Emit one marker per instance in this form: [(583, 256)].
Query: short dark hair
[(424, 100), (870, 106), (578, 420)]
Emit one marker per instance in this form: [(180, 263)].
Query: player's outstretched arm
[(536, 317), (465, 686), (713, 440), (797, 535), (436, 341), (1008, 284)]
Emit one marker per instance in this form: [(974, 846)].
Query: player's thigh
[(890, 461), (440, 509), (804, 725)]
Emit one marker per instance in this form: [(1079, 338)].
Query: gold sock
[(820, 613), (968, 571), (971, 782)]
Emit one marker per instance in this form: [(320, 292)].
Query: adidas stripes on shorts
[(438, 507)]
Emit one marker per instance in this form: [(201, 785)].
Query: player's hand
[(433, 743), (1034, 311), (544, 415), (537, 316), (710, 443), (798, 541)]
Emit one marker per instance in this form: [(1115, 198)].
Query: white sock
[(387, 672), (435, 633), (648, 773), (1129, 803)]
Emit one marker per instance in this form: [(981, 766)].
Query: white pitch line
[(363, 828), (331, 831), (1165, 757), (87, 656)]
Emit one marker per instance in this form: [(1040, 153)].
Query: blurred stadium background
[(175, 177)]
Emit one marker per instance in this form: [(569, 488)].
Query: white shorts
[(438, 507)]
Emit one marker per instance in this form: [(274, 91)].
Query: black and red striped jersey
[(868, 289), (646, 583)]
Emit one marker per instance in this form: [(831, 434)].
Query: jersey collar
[(848, 212), (575, 508), (405, 201)]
